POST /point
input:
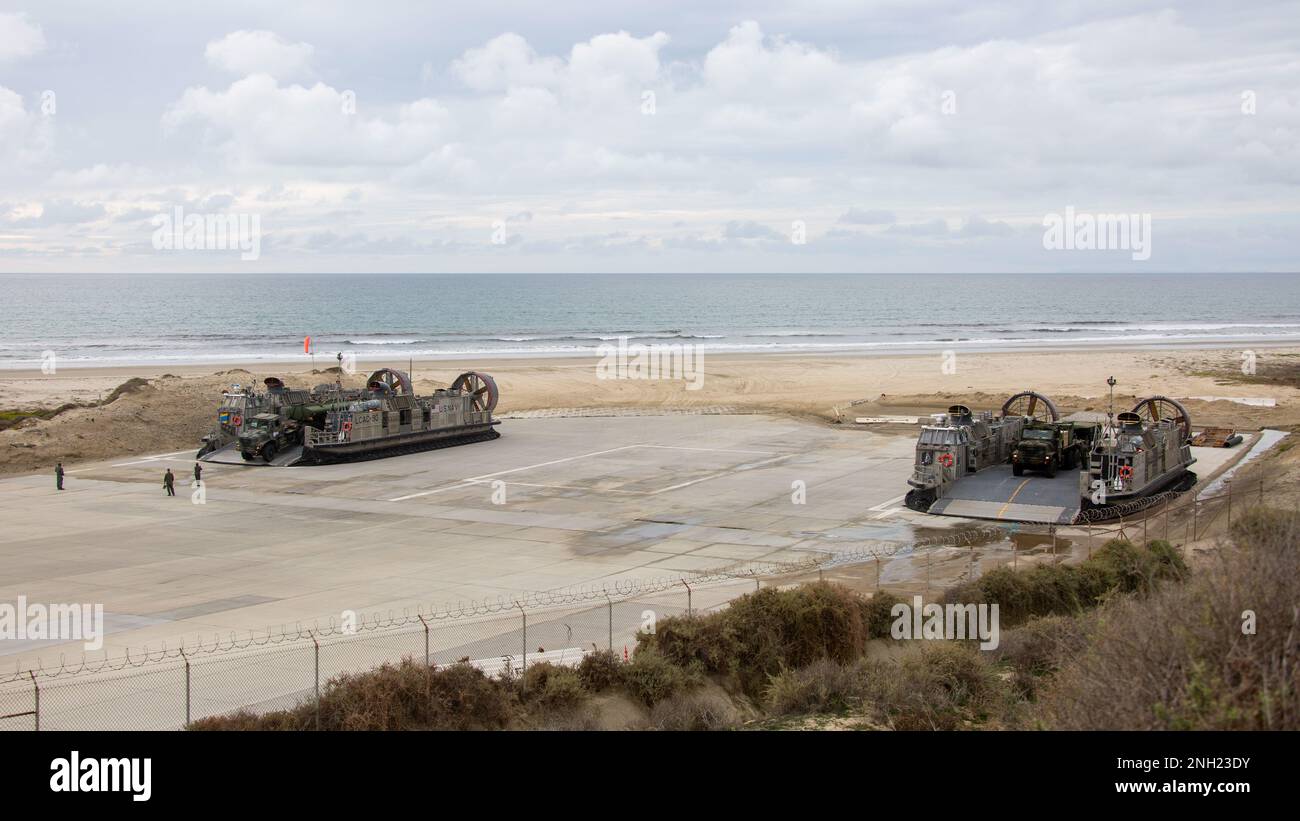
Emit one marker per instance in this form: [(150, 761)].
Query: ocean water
[(90, 320)]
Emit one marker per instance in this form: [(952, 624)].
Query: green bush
[(553, 685), (600, 671), (651, 678), (1062, 589), (762, 633)]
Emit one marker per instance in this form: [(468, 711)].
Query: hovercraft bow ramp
[(994, 493), (229, 455)]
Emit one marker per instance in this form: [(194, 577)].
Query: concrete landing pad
[(553, 503), (994, 493)]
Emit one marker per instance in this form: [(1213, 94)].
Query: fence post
[(689, 608), (1196, 506), (1229, 506), (1144, 529), (426, 640), (610, 605), (37, 711), (523, 671), (187, 686), (1089, 524), (877, 573), (316, 684)]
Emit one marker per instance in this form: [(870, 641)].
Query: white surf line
[(148, 459), (473, 480), (722, 473)]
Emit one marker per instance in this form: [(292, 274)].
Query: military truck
[(1051, 446), (267, 434)]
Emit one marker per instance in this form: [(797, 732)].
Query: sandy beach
[(169, 407)]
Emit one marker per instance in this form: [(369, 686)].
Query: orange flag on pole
[(306, 345)]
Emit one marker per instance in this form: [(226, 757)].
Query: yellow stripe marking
[(1019, 488)]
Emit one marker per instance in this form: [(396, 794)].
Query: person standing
[(58, 476), (169, 482), (198, 473)]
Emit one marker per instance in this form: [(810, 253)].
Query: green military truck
[(1051, 446), (267, 434)]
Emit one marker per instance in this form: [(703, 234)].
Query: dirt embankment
[(95, 414)]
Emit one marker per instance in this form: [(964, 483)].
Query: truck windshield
[(1039, 434)]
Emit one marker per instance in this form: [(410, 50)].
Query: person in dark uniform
[(169, 482), (58, 476), (198, 473)]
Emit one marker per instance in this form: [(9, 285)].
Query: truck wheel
[(1017, 469), (1051, 470), (268, 452), (248, 457)]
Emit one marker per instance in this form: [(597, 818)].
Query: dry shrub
[(695, 710), (248, 721), (1037, 648), (764, 632), (1178, 658), (404, 696), (651, 678), (1059, 589), (824, 686), (943, 686), (601, 670), (553, 686), (946, 686)]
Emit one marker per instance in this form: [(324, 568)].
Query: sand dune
[(176, 406)]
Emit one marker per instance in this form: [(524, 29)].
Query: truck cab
[(266, 434)]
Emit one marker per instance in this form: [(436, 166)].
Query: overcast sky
[(916, 135)]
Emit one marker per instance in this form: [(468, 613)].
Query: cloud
[(260, 52), (61, 212), (605, 63), (965, 126), (19, 38), (257, 121), (25, 136), (864, 216), (749, 229)]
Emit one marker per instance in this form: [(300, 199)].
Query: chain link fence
[(168, 688)]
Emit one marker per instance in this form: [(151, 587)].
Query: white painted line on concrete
[(720, 474), (147, 459), (706, 450), (572, 487), (889, 503), (475, 479), (889, 512)]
